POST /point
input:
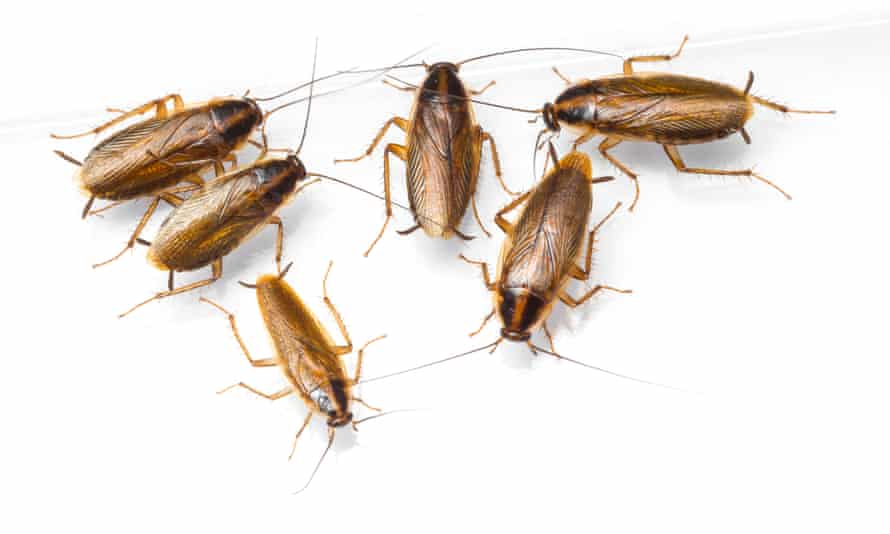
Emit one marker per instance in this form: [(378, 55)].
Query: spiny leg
[(477, 92), (87, 206), (505, 225), (398, 121), (572, 302), (139, 227), (549, 337), (345, 349), (628, 63), (408, 231), (583, 273), (215, 275), (365, 404), (160, 113), (476, 215), (561, 76), (406, 88), (271, 396), (484, 267), (608, 144), (279, 240), (267, 362), (677, 160), (293, 449), (68, 158), (400, 152), (497, 162), (361, 356), (484, 322)]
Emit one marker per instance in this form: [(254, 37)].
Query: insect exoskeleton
[(542, 249), (442, 150), (668, 109), (307, 355)]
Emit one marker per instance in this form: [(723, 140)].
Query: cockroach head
[(338, 419), (294, 160), (443, 65), (549, 114)]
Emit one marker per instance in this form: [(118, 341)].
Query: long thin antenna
[(430, 364), (552, 49), (375, 416), (325, 453), (482, 102), (309, 105), (302, 85)]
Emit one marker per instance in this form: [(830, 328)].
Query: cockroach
[(668, 109), (541, 249), (306, 354), (442, 150)]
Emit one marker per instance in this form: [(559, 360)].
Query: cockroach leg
[(139, 227), (561, 76), (484, 322), (464, 236), (170, 274), (215, 275), (365, 404), (785, 109), (271, 396), (476, 215), (583, 273), (750, 82), (299, 432), (401, 123), (572, 302), (342, 349), (549, 337), (745, 136), (400, 152), (361, 356), (487, 86), (157, 104), (604, 147), (86, 208), (628, 63), (408, 231), (496, 161), (677, 160), (484, 268), (267, 362), (505, 225), (279, 239), (406, 88), (68, 158)]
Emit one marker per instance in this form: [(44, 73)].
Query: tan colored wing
[(443, 162), (659, 83), (549, 233)]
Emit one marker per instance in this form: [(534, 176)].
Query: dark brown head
[(550, 119), (442, 81), (278, 177), (520, 311), (337, 408), (235, 118)]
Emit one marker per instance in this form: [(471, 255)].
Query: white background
[(769, 313)]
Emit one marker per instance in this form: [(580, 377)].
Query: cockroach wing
[(549, 233), (658, 83), (443, 161)]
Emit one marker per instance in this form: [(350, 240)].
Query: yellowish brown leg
[(271, 396), (68, 158), (572, 302), (677, 160), (583, 273), (406, 88), (400, 152), (398, 121), (484, 322), (87, 206), (497, 162), (505, 225), (157, 104), (361, 356), (608, 144), (785, 109), (139, 227), (628, 63), (365, 404), (343, 349), (215, 275), (267, 362), (561, 76), (549, 337), (476, 215), (484, 267), (477, 92), (293, 449)]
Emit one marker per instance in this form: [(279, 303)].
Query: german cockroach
[(668, 109), (150, 158), (442, 150), (306, 354), (541, 249)]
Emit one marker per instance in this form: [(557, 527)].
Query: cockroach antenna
[(430, 364), (331, 435), (309, 105)]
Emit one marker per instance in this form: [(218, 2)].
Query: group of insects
[(161, 159)]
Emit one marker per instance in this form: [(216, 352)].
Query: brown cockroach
[(541, 249), (668, 109), (442, 150), (306, 354)]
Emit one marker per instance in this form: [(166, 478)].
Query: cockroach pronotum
[(306, 354), (442, 150), (153, 157), (540, 251), (668, 109)]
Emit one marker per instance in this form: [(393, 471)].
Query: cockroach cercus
[(306, 354), (668, 109), (442, 150)]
